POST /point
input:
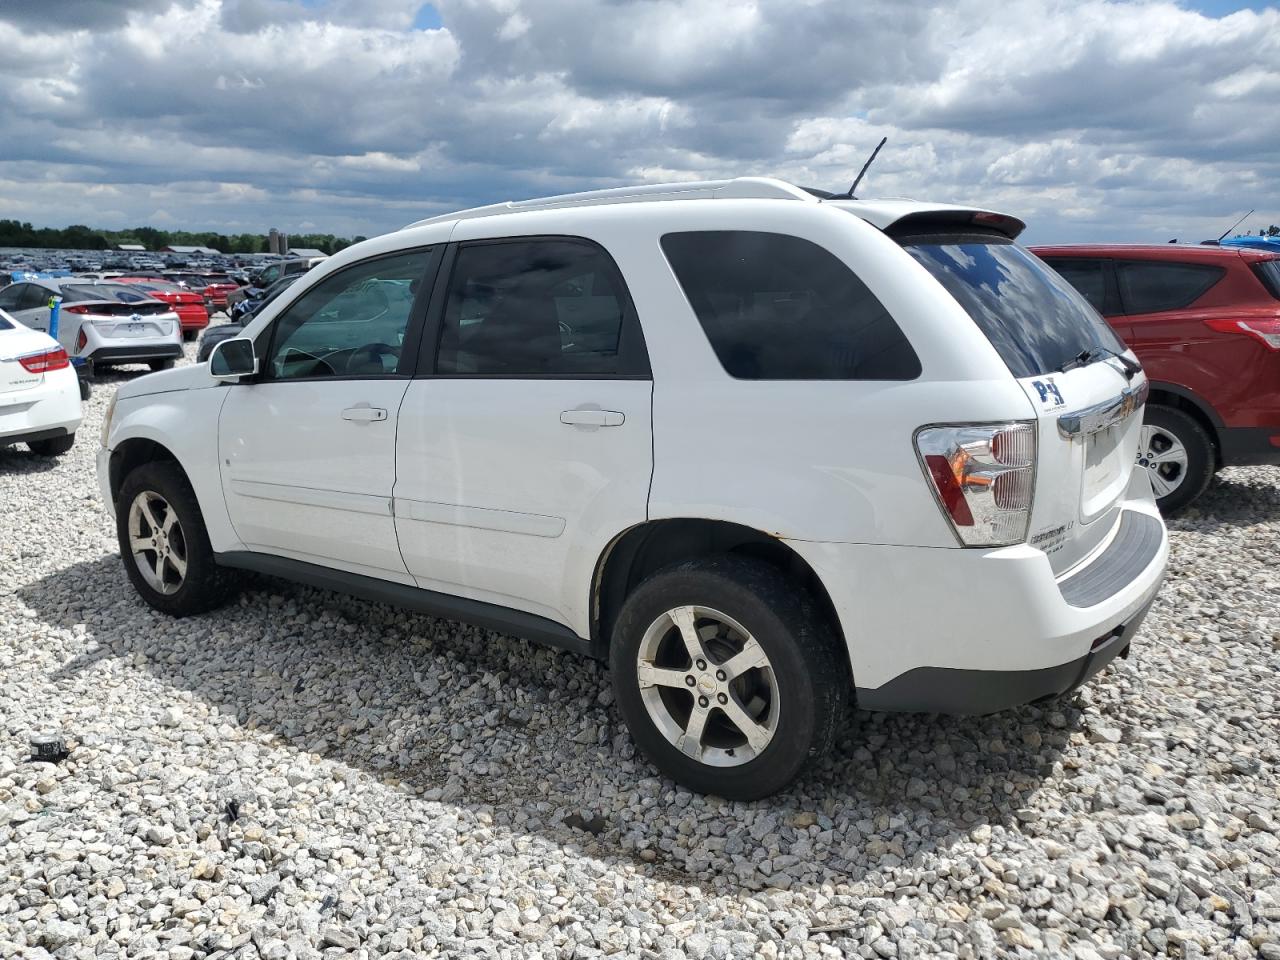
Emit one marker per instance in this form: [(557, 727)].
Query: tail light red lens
[(983, 476), (45, 361), (82, 340), (76, 309), (1266, 332)]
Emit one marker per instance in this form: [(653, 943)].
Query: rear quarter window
[(1153, 286), (1268, 271), (778, 307)]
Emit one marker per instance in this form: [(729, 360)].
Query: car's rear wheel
[(155, 365), (728, 679), (54, 446), (1178, 455), (164, 543)]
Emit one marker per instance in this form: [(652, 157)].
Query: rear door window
[(34, 297), (778, 307), (1035, 319), (1087, 276), (1268, 271), (554, 307), (1152, 286)]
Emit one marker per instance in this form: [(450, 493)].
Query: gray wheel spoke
[(1177, 453), (690, 741), (178, 563), (683, 617), (170, 518), (751, 655), (651, 676), (757, 735), (159, 567), (1159, 484), (148, 514), (138, 544)]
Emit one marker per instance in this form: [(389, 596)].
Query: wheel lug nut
[(701, 664), (702, 701), (722, 698), (690, 680), (721, 676)]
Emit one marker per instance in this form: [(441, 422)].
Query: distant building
[(191, 251), (131, 248), (306, 252), (273, 242)]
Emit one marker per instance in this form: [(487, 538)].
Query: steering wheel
[(371, 353)]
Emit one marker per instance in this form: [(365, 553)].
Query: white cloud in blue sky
[(1092, 119)]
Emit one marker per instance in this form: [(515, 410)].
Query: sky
[(1107, 120)]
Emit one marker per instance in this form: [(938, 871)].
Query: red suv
[(1205, 322)]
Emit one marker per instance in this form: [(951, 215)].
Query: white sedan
[(39, 391)]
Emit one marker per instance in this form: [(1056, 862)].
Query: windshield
[(1035, 320)]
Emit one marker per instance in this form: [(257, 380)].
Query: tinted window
[(1035, 320), (776, 307), (352, 324), (533, 308), (1268, 271), (34, 296), (5, 323), (10, 297), (119, 292), (1148, 286), (1087, 276)]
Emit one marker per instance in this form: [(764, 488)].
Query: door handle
[(592, 418), (364, 414)]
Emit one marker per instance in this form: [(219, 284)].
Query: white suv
[(761, 449)]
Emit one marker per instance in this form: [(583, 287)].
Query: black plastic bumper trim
[(125, 354), (491, 616), (34, 437), (979, 692), (1249, 446), (1135, 545)]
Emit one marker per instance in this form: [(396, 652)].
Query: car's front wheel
[(164, 543), (1178, 455), (729, 680)]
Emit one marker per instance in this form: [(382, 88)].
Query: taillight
[(45, 361), (983, 476), (77, 309), (1264, 331), (82, 340)]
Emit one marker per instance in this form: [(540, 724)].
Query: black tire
[(205, 585), (1201, 461), (54, 446), (810, 671), (84, 389), (157, 365), (189, 335)]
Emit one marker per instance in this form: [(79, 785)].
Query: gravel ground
[(306, 775)]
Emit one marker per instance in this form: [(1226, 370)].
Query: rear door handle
[(592, 418), (364, 414)]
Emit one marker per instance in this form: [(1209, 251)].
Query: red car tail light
[(1266, 332), (80, 309), (45, 360), (82, 340), (983, 476)]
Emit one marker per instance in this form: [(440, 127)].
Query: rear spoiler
[(900, 218)]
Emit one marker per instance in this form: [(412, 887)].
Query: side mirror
[(233, 359)]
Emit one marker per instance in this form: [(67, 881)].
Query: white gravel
[(306, 775)]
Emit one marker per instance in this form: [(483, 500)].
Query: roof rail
[(740, 188)]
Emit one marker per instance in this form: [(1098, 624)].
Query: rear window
[(1035, 320), (121, 293), (1151, 286), (1268, 271), (5, 324), (776, 307)]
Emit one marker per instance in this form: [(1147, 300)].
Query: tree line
[(14, 233)]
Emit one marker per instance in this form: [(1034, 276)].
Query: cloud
[(1093, 119)]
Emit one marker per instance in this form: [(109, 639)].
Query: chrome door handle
[(592, 418), (364, 414)]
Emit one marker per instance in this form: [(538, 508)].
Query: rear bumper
[(973, 631), (1249, 446), (49, 410), (153, 351)]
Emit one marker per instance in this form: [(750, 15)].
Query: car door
[(307, 448), (528, 446)]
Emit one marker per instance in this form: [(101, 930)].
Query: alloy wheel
[(1165, 458), (157, 542), (708, 686)]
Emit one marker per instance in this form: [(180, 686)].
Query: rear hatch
[(1086, 390), (129, 320), (17, 341)]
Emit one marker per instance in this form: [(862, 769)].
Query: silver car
[(99, 323)]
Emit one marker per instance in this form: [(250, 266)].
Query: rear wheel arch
[(1180, 398), (654, 545)]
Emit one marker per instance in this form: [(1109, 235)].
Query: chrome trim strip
[(1098, 417)]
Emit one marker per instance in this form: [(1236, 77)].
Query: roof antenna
[(1236, 224), (863, 172)]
